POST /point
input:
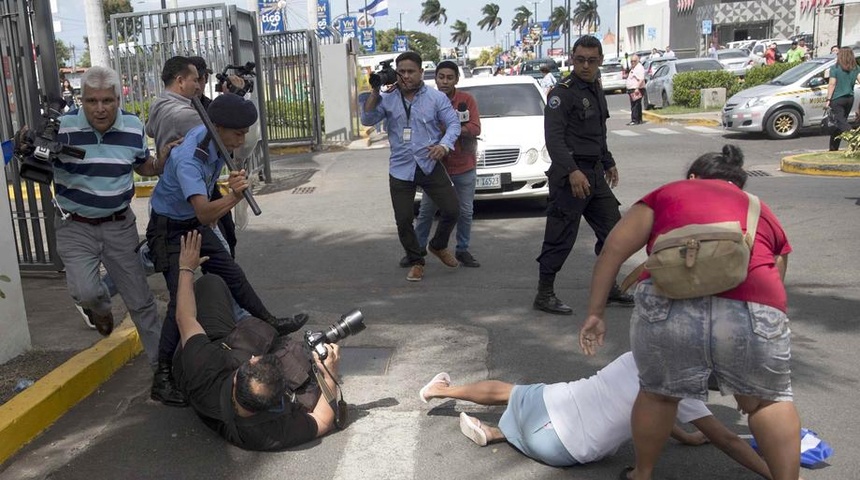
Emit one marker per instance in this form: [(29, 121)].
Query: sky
[(73, 25)]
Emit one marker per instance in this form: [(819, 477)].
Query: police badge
[(585, 103), (554, 102)]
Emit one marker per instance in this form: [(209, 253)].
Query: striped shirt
[(102, 182)]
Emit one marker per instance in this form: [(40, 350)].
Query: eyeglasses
[(583, 60)]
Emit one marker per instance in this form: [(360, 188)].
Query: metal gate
[(20, 38), (222, 34)]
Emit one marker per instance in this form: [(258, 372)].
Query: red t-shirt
[(708, 201)]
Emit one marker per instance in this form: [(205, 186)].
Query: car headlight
[(544, 155), (531, 156), (753, 102)]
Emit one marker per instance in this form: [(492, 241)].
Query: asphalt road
[(332, 246)]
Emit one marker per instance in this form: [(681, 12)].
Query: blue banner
[(546, 35), (347, 26), (323, 18), (368, 39), (271, 17), (401, 43)]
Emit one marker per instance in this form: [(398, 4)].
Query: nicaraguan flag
[(377, 8)]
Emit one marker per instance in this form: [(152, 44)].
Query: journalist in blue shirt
[(422, 129)]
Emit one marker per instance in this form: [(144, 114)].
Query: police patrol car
[(789, 102)]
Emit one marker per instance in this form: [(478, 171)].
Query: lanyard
[(407, 107)]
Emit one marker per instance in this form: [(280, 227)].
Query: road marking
[(663, 131), (708, 130), (626, 133), (381, 434)]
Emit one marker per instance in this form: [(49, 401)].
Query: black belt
[(116, 216)]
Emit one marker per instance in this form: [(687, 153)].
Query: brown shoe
[(416, 273), (103, 322), (444, 255)]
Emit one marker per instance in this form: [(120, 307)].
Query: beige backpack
[(701, 259)]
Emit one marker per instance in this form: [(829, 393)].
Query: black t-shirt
[(206, 377)]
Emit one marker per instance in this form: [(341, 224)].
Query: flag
[(377, 8)]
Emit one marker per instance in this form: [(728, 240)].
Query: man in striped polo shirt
[(94, 224)]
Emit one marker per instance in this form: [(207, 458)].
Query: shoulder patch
[(567, 81), (554, 102)]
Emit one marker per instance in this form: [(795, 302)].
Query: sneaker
[(618, 297), (416, 273), (85, 312), (466, 259), (445, 256)]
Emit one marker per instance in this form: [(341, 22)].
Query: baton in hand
[(228, 159)]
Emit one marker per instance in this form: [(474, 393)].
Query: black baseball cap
[(200, 64)]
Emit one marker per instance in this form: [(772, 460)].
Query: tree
[(432, 13), (62, 52), (585, 15), (424, 44), (559, 20), (488, 57), (127, 29), (85, 62), (522, 18), (460, 33), (491, 18)]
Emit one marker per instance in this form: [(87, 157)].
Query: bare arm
[(322, 413), (781, 265), (208, 212), (831, 86), (155, 165), (732, 445), (186, 304)]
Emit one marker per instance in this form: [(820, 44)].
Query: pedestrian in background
[(771, 55), (795, 53), (422, 130), (581, 174), (635, 85), (840, 93), (741, 336), (548, 81), (461, 165)]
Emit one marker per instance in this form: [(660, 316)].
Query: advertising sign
[(323, 18), (367, 36), (347, 27), (271, 17), (401, 43)]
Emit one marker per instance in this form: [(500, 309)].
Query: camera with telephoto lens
[(349, 324), (38, 148), (385, 76), (246, 72)]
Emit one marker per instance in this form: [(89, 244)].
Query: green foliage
[(292, 114), (488, 57), (425, 44), (686, 85), (764, 73), (141, 109), (852, 139), (62, 52)]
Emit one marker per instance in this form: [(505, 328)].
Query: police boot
[(163, 388), (618, 297), (548, 302), (288, 325)]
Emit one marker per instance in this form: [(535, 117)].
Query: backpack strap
[(753, 214)]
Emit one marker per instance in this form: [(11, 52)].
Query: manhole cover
[(364, 360), (303, 190), (758, 173)]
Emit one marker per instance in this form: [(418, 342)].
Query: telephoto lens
[(349, 324)]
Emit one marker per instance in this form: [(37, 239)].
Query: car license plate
[(484, 182)]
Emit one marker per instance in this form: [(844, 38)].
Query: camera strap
[(338, 405)]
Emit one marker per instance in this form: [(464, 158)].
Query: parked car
[(652, 64), (532, 68), (757, 51), (484, 71), (736, 61), (786, 104), (658, 90), (512, 155), (612, 76), (430, 74)]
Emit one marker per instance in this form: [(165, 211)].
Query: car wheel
[(783, 124), (665, 97)]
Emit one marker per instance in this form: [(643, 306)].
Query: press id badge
[(407, 135)]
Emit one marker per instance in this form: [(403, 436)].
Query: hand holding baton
[(228, 158)]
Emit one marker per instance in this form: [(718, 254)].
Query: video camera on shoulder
[(246, 72), (38, 148), (349, 324), (385, 76)]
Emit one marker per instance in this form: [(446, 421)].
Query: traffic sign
[(706, 27)]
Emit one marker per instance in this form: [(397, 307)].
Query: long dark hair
[(727, 165), (846, 60)]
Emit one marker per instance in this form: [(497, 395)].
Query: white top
[(547, 81), (635, 77), (592, 416)]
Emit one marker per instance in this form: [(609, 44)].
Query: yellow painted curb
[(702, 122), (796, 164), (30, 412), (290, 150)]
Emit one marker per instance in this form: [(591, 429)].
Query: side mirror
[(760, 54), (816, 82)]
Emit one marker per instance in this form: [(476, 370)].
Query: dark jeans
[(841, 109), (220, 263), (564, 211), (635, 107), (437, 185)]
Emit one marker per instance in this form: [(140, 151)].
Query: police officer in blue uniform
[(582, 173)]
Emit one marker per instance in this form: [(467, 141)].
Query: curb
[(702, 122), (795, 164), (30, 412)]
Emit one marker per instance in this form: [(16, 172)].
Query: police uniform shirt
[(575, 125), (189, 171)]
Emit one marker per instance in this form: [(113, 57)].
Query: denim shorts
[(526, 425), (678, 343)]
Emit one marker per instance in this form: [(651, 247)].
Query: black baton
[(228, 159)]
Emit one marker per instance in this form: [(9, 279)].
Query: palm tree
[(522, 18), (460, 33), (491, 18), (560, 20), (585, 15), (432, 13)]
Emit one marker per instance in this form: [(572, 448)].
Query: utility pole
[(618, 30), (96, 33)]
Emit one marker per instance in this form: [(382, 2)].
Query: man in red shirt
[(460, 164)]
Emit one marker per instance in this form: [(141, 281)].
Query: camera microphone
[(463, 112)]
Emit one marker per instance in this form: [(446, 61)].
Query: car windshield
[(796, 73), (610, 67), (513, 100), (727, 55), (700, 65), (429, 74)]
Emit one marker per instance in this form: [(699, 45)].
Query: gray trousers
[(82, 247)]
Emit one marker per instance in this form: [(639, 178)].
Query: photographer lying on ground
[(564, 424), (257, 390)]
